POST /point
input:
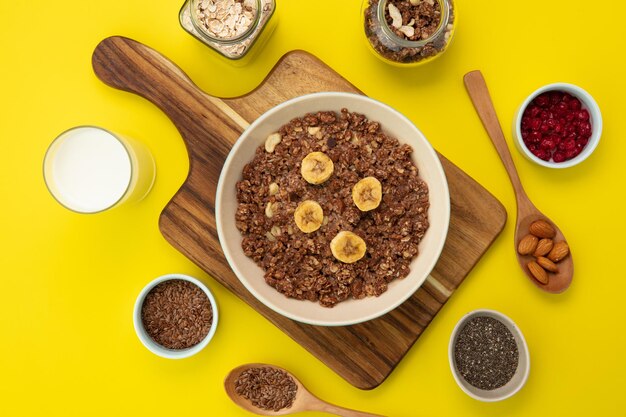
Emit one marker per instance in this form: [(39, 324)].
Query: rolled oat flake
[(486, 353)]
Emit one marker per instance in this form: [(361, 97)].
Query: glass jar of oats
[(408, 32), (230, 27)]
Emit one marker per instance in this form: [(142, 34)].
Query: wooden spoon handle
[(346, 412), (478, 92), (340, 411), (131, 66)]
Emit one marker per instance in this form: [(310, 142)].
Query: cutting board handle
[(128, 65)]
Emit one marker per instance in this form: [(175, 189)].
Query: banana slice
[(347, 247), (367, 194), (308, 216), (316, 168)]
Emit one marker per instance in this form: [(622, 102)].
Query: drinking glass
[(88, 169)]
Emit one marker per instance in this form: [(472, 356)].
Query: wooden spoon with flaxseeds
[(269, 390)]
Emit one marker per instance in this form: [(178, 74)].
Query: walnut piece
[(395, 14), (271, 142)]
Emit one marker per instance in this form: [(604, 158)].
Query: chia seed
[(485, 353)]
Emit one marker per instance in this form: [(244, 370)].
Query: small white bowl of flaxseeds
[(175, 316)]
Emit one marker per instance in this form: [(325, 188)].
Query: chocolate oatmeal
[(383, 237)]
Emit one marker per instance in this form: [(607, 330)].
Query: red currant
[(542, 100), (584, 130), (558, 156), (542, 154), (548, 144), (555, 97), (534, 137), (556, 139), (534, 111), (560, 126), (562, 108), (535, 124), (574, 104)]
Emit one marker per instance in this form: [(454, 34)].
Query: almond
[(527, 245), (547, 264), (559, 251), (543, 247), (538, 272), (543, 229)]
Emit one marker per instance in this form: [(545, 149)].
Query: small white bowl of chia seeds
[(488, 356), (175, 316)]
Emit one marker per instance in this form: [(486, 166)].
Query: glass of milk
[(89, 169)]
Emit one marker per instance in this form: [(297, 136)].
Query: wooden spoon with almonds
[(303, 401), (528, 216)]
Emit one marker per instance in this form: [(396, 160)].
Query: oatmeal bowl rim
[(350, 311)]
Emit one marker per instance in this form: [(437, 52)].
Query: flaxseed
[(177, 314), (267, 388)]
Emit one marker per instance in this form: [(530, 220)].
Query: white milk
[(88, 169)]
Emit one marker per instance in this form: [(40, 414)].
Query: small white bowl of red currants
[(558, 126)]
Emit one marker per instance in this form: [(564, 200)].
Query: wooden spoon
[(526, 211), (304, 401)]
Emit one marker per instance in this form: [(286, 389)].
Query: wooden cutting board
[(363, 354)]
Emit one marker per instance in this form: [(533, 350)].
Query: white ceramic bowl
[(350, 311), (156, 348), (523, 368), (588, 103)]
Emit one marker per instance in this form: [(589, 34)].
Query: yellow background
[(69, 281)]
